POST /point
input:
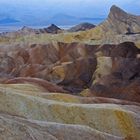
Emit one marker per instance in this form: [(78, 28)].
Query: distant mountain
[(82, 27), (58, 19), (63, 19), (8, 21)]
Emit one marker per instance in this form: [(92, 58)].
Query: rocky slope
[(32, 129), (121, 22), (59, 120)]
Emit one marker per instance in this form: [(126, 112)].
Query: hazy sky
[(77, 7), (31, 11)]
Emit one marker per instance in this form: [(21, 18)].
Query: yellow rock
[(85, 93), (58, 73), (28, 89), (104, 66), (61, 97)]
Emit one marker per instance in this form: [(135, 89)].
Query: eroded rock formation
[(53, 90), (108, 70)]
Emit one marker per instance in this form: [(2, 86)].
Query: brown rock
[(43, 54), (45, 84), (125, 49), (7, 65), (76, 74)]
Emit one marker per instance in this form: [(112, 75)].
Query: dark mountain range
[(81, 27), (63, 19), (25, 30)]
